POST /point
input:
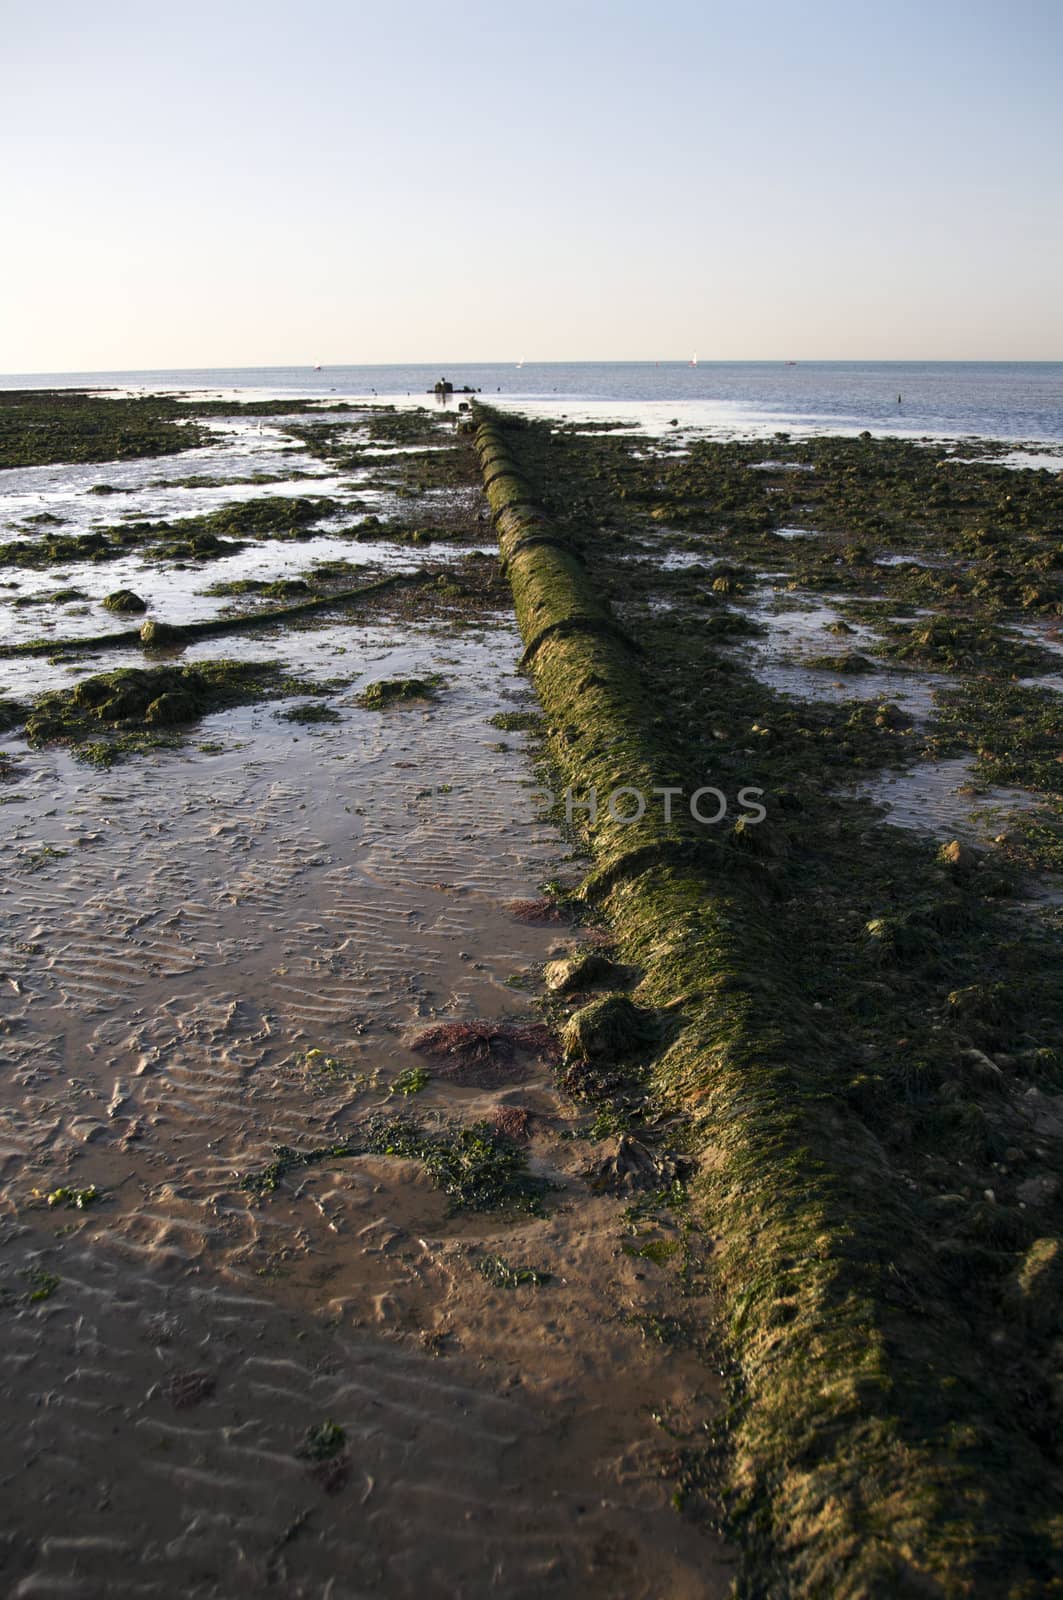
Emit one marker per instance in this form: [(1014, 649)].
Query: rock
[(983, 1065), (156, 633), (1045, 1111), (1038, 1191), (582, 972), (171, 708), (606, 1030), (633, 1165), (88, 1130), (1035, 1292), (92, 693), (124, 601), (957, 855)]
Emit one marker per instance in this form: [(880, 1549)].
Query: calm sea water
[(997, 400)]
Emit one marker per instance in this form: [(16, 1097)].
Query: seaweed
[(477, 1168), (501, 1275)]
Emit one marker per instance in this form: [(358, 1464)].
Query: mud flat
[(856, 1025), (320, 1272)]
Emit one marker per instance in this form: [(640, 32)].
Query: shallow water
[(944, 798), (990, 400), (799, 624)]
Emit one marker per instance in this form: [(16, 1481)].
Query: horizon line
[(583, 361)]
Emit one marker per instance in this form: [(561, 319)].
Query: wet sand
[(178, 933)]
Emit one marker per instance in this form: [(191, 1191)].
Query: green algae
[(517, 721), (476, 1167), (78, 1199), (411, 1080), (272, 589), (887, 1434), (42, 1285), (500, 1274), (12, 715)]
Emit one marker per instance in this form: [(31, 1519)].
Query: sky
[(256, 184)]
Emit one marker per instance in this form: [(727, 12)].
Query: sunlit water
[(996, 400)]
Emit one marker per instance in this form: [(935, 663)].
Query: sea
[(1000, 400)]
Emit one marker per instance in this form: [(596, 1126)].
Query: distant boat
[(791, 363), (694, 359), (520, 363), (317, 366)]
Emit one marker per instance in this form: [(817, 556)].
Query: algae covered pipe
[(842, 1467)]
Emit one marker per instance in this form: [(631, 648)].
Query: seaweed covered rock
[(396, 691), (113, 699), (588, 971), (153, 632), (1036, 1289), (959, 857), (606, 1030), (136, 703), (176, 706), (11, 715), (124, 602)]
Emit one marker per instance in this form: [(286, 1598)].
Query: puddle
[(177, 592), (944, 798), (905, 561), (799, 625)]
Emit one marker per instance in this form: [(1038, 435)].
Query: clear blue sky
[(256, 183)]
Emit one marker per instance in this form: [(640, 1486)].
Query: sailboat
[(520, 363), (694, 359)]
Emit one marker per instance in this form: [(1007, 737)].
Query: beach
[(424, 1174)]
